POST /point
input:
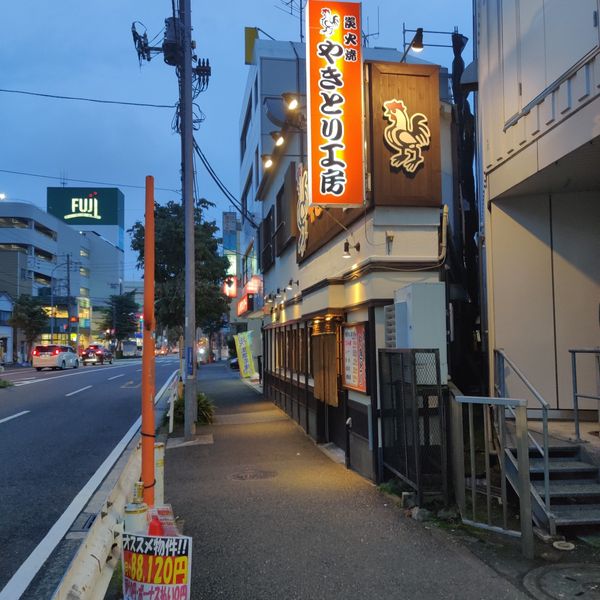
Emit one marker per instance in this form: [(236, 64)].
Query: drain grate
[(249, 474), (564, 581), (83, 522)]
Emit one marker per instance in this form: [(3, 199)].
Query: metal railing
[(521, 482), (413, 409), (500, 388), (576, 395)]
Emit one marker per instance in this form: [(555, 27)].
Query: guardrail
[(576, 395), (501, 390), (91, 570)]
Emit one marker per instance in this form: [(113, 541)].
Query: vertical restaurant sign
[(335, 103), (355, 361)]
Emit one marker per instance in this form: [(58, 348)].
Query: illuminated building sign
[(254, 285), (230, 286), (87, 206), (335, 103), (245, 304)]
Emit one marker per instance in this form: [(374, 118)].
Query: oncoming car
[(54, 356), (96, 354)]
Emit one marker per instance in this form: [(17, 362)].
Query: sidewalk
[(273, 518)]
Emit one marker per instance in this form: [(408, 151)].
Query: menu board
[(355, 359)]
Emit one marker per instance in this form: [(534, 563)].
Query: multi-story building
[(327, 274), (539, 124), (73, 271)]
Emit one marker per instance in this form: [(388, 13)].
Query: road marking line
[(24, 412), (116, 376), (20, 581), (82, 372), (138, 370), (87, 387)]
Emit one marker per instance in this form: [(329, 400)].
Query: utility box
[(420, 315)]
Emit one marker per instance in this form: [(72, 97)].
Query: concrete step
[(563, 466), (570, 489), (587, 514)]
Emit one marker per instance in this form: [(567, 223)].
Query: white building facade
[(539, 124), (74, 272)]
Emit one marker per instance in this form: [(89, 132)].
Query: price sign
[(156, 567)]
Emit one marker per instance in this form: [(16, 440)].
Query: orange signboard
[(335, 103)]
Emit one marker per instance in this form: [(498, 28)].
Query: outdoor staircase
[(574, 487)]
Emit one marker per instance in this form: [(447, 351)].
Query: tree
[(211, 269), (29, 316), (120, 316)]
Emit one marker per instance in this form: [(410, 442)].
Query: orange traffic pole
[(148, 426)]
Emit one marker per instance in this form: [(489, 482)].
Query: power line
[(236, 203), (139, 187), (81, 99)]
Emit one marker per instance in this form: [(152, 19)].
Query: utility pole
[(68, 298), (177, 49), (187, 156)]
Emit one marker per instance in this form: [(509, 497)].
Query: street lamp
[(416, 44)]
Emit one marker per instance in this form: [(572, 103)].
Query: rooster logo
[(407, 136), (329, 22)]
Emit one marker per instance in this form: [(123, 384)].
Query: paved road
[(273, 518), (56, 429)]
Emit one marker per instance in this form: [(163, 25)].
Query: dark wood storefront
[(302, 376)]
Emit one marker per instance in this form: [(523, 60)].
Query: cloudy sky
[(75, 48)]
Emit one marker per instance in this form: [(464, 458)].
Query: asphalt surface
[(74, 419), (273, 518)]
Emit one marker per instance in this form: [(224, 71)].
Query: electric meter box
[(420, 311)]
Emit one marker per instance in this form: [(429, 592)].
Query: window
[(14, 222), (84, 271), (255, 91), (43, 255), (85, 292), (245, 128), (84, 252), (4, 317), (44, 230), (41, 278), (285, 204), (267, 256), (248, 264), (256, 163), (245, 194)]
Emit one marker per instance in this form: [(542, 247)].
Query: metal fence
[(414, 419), (480, 486)]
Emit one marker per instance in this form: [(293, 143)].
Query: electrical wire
[(81, 99), (236, 203), (139, 187)]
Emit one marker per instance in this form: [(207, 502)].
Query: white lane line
[(138, 370), (116, 376), (79, 372), (87, 387), (24, 412), (20, 581)]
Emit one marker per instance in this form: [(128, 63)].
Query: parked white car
[(54, 356)]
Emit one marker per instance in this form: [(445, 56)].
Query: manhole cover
[(564, 581), (253, 474)]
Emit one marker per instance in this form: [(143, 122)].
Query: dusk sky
[(76, 48)]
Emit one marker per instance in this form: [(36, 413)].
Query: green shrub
[(4, 383), (206, 409)]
